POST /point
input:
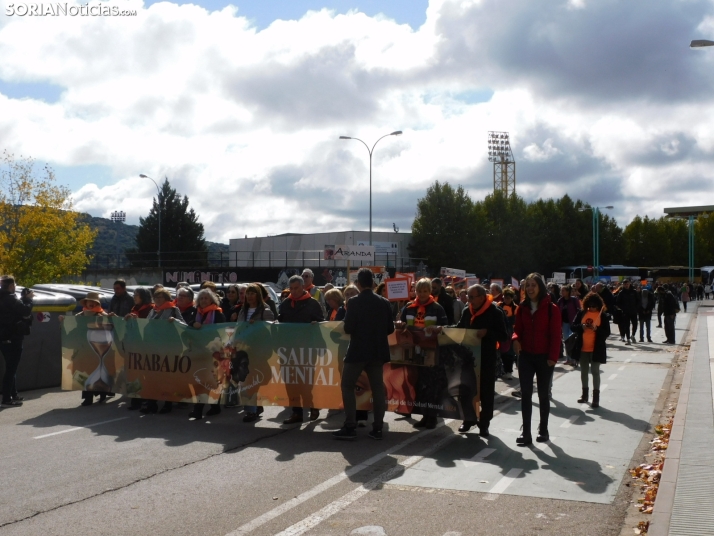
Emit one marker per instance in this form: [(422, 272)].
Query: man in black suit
[(369, 322)]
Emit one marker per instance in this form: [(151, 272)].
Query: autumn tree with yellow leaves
[(41, 238)]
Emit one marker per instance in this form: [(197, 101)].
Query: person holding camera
[(15, 322)]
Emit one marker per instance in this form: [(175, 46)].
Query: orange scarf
[(305, 296), (486, 304), (205, 310), (138, 309), (97, 309), (419, 319), (333, 314), (184, 309), (309, 287), (166, 305)]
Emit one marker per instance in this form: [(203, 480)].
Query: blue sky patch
[(50, 93)]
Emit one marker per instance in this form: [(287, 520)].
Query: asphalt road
[(100, 470)]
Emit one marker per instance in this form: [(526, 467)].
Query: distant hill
[(113, 239)]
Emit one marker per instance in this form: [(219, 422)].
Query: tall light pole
[(596, 235), (395, 133), (158, 200)]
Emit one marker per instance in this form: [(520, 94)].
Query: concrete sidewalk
[(686, 490)]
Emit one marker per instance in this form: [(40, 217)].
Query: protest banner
[(559, 277), (452, 272), (380, 274), (411, 276), (472, 281), (515, 283), (397, 289), (283, 364), (497, 282)]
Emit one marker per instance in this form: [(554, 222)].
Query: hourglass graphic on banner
[(100, 339)]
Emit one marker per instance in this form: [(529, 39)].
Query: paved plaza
[(104, 470)]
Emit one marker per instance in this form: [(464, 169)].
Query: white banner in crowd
[(559, 277), (454, 272), (397, 289)]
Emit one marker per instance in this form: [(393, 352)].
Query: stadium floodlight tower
[(118, 216), (504, 165)]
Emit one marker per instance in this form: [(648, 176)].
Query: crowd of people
[(527, 327)]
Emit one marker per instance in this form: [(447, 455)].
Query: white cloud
[(246, 122)]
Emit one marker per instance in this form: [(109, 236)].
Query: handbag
[(570, 343)]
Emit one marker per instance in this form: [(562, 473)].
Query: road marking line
[(570, 421), (475, 460), (311, 521), (612, 377), (261, 520), (502, 484), (603, 387), (545, 447), (452, 533), (622, 367), (628, 360), (74, 429)]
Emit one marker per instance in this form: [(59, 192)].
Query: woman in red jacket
[(537, 337)]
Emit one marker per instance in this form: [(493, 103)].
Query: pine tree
[(182, 241)]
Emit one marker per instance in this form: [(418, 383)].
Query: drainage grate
[(692, 514)]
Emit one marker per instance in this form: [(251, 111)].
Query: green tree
[(41, 238), (182, 240), (444, 228), (704, 241)]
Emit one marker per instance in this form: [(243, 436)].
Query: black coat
[(121, 305), (601, 335), (447, 302), (627, 301), (304, 312), (369, 322), (493, 320), (15, 317)]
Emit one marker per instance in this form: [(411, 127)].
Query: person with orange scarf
[(163, 309), (91, 306), (300, 308), (207, 312), (489, 320), (425, 312)]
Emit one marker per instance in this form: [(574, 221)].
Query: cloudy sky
[(241, 104)]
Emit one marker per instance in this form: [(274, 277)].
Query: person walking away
[(369, 323), (443, 299), (425, 312), (685, 296), (670, 308), (300, 308), (508, 355), (646, 304), (592, 328), (121, 303), (569, 307), (626, 301), (254, 309), (15, 322), (488, 319), (537, 336), (707, 291)]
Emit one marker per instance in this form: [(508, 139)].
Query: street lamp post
[(395, 133), (596, 236), (158, 200)]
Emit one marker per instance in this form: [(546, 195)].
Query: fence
[(192, 260)]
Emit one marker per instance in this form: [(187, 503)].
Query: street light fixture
[(698, 43), (158, 200), (395, 133), (596, 235)]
